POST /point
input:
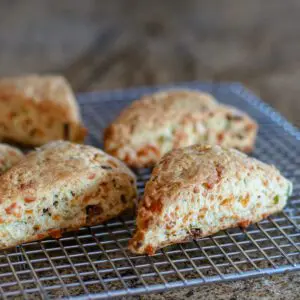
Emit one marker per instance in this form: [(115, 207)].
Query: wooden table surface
[(113, 44)]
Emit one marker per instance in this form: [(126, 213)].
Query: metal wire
[(95, 263)]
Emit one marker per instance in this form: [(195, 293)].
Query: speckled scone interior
[(199, 190), (9, 156), (158, 123), (37, 109), (62, 186)]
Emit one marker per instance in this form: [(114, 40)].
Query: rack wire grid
[(94, 262)]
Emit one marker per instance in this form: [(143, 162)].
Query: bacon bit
[(149, 250), (265, 183), (112, 163), (29, 199), (27, 185), (36, 227), (245, 201), (264, 216), (156, 206), (196, 189), (126, 159), (148, 149), (55, 233), (1, 221), (177, 208), (41, 235), (220, 137), (28, 211), (92, 176), (56, 218), (144, 224), (208, 185), (169, 226), (244, 224), (13, 209)]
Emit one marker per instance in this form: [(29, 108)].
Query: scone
[(160, 122), (9, 156), (37, 109), (60, 187), (199, 190)]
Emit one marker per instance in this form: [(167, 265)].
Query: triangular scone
[(158, 123), (37, 109), (9, 156), (199, 190), (61, 186)]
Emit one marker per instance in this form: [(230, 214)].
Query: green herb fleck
[(276, 199)]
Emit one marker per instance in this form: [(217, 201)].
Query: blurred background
[(114, 44)]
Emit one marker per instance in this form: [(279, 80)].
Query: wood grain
[(113, 44)]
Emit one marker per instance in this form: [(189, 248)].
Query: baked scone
[(199, 190), (37, 109), (160, 122), (60, 187), (9, 156)]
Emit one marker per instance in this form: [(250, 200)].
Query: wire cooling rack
[(94, 262)]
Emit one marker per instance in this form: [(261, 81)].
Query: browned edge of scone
[(134, 244)]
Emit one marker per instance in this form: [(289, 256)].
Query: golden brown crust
[(62, 186), (201, 190), (158, 123), (43, 90), (33, 103)]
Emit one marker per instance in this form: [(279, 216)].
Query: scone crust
[(158, 123), (62, 186), (9, 156), (207, 187), (48, 91), (48, 94)]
